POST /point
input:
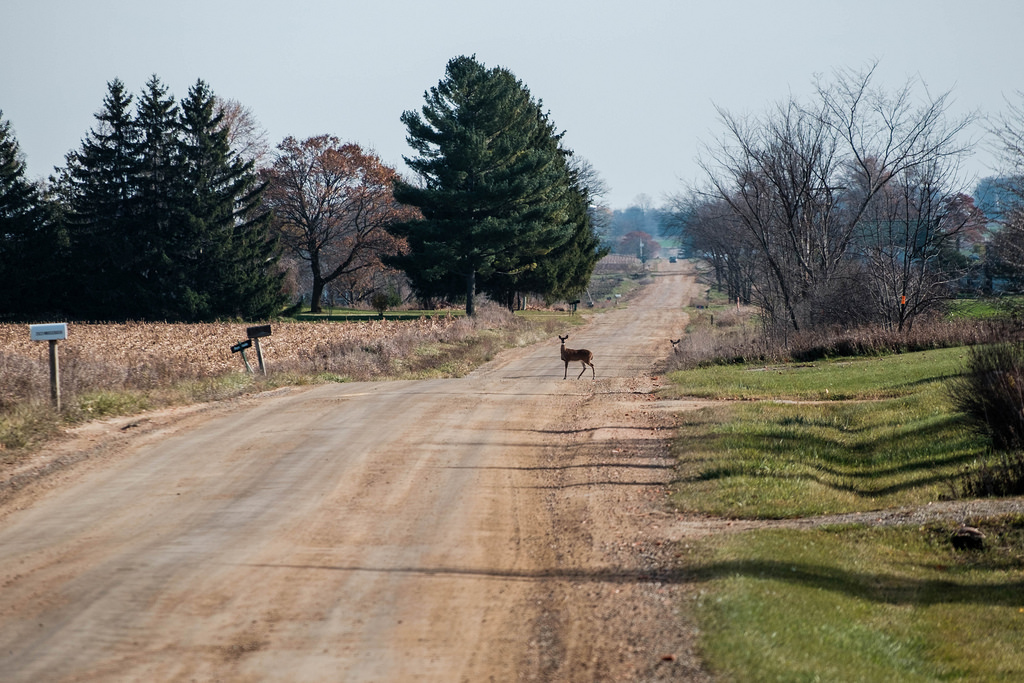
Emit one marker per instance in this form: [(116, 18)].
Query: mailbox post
[(242, 346), (51, 333), (254, 334)]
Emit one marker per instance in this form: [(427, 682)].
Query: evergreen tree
[(496, 197), (565, 272), (163, 221), (157, 181), (22, 222), (224, 260), (100, 185)]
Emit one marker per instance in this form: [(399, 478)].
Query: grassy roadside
[(863, 604), (872, 377), (843, 603), (877, 432)]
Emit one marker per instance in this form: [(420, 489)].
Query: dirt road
[(503, 526)]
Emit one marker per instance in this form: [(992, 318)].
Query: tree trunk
[(318, 294), (471, 293)]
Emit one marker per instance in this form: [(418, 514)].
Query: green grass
[(839, 379), (719, 298), (843, 603), (358, 314), (895, 441), (859, 604), (779, 460), (973, 309), (94, 405), (981, 309)]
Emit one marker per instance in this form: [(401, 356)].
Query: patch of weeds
[(995, 476), (990, 393), (1003, 544), (100, 404), (330, 378), (26, 425)]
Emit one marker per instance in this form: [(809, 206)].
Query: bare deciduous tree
[(909, 243), (711, 231), (1007, 129), (332, 205), (1006, 255), (801, 177), (245, 135), (587, 176)]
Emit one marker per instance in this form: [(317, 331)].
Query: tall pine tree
[(224, 258), (101, 181), (565, 272), (496, 196), (157, 185), (24, 254), (164, 222)]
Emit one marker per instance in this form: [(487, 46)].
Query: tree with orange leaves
[(332, 203)]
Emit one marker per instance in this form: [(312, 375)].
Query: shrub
[(382, 301), (991, 393), (1004, 477), (729, 339)]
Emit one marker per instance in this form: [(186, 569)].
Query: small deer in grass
[(582, 355)]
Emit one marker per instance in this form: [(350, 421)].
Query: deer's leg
[(565, 375), (583, 370)]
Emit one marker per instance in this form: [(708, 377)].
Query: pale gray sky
[(633, 83)]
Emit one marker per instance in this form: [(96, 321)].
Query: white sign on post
[(48, 332), (51, 333)]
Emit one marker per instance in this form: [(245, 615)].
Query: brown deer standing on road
[(582, 355)]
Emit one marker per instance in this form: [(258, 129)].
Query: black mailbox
[(241, 346), (258, 331)]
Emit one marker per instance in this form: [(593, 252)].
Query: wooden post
[(51, 332), (54, 375), (245, 360), (242, 346), (254, 334), (259, 356)]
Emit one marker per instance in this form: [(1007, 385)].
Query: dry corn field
[(149, 355)]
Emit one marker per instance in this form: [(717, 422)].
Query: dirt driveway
[(501, 527)]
